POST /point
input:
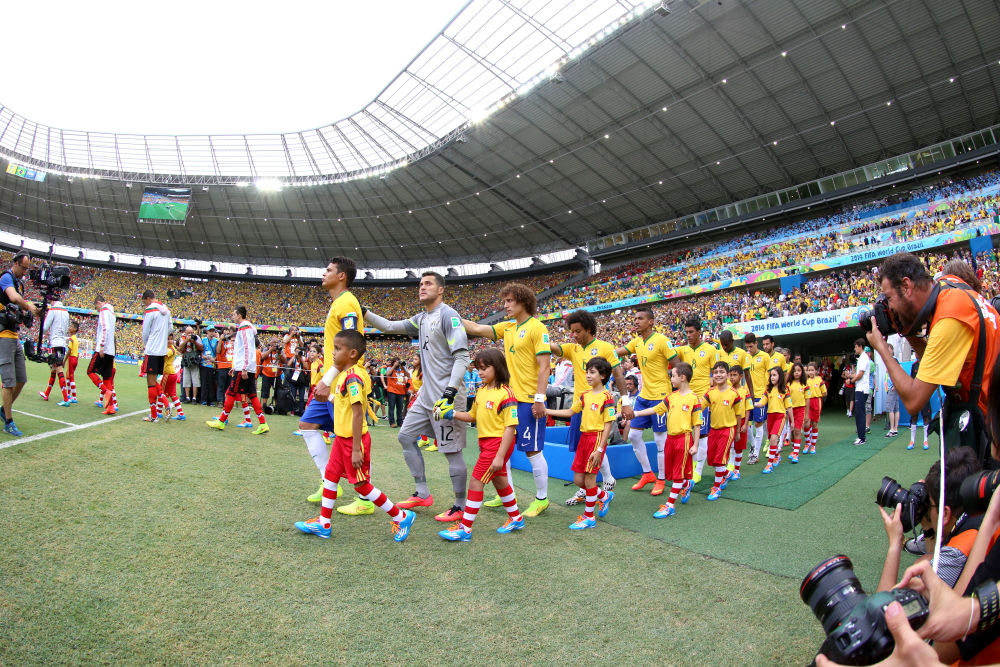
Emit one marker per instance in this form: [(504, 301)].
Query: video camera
[(50, 278)]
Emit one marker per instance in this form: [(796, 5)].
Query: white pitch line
[(58, 421), (68, 429)]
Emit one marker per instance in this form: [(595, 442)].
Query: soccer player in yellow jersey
[(725, 409), (344, 315), (702, 357), (654, 354), (756, 377), (777, 358), (526, 346), (682, 408), (732, 355), (582, 325)]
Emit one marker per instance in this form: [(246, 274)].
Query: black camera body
[(50, 278), (978, 489), (881, 315), (854, 622), (913, 500)]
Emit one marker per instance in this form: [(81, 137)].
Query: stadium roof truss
[(529, 126)]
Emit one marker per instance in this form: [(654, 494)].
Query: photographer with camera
[(190, 348), (56, 326), (12, 368), (961, 338), (210, 348)]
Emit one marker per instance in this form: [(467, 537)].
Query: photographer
[(210, 348), (12, 368), (190, 348), (223, 362), (961, 339), (270, 367)]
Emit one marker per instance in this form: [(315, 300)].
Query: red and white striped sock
[(258, 410), (246, 414), (72, 390), (62, 386), (815, 435), (591, 500), (329, 497), (114, 399), (52, 381), (177, 406), (796, 444), (509, 502), (675, 490), (720, 476), (472, 504), (739, 460), (373, 495), (154, 405)]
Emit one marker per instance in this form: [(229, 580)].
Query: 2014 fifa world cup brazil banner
[(843, 318), (859, 257)]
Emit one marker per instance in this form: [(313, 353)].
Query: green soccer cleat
[(496, 502), (318, 496), (537, 507), (215, 423), (261, 430), (358, 508)]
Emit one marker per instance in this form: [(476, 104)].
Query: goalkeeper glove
[(444, 408)]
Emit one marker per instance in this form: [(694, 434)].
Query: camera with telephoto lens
[(977, 490), (50, 278), (854, 622), (881, 315), (913, 500)]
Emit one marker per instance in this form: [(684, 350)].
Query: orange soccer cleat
[(646, 479), (415, 501), (658, 487)]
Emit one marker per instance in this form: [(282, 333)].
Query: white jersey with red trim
[(245, 348), (104, 338), (155, 328)]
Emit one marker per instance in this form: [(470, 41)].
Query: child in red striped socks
[(799, 392), (724, 407), (168, 384), (779, 412), (495, 416), (816, 394), (745, 407), (350, 455), (597, 415)]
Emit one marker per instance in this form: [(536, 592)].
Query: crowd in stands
[(779, 248)]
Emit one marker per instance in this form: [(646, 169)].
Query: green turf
[(172, 544), (163, 211)]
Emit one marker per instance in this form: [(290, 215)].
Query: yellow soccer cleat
[(215, 423), (537, 507), (261, 430), (432, 447), (496, 502), (358, 508), (318, 496)]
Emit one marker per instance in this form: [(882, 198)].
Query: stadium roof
[(527, 127)]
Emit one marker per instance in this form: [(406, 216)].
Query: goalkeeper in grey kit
[(444, 358)]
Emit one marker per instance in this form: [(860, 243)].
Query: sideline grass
[(172, 544)]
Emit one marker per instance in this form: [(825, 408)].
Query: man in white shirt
[(155, 328), (56, 326), (862, 387), (102, 363), (243, 374)]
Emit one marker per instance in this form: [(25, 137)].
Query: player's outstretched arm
[(623, 392), (562, 414), (478, 330), (399, 327)]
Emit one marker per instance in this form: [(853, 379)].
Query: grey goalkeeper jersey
[(444, 349)]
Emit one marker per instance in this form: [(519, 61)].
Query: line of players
[(678, 401)]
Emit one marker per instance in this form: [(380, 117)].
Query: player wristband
[(989, 605), (626, 401), (539, 398)]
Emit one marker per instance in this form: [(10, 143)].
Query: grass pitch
[(128, 543), (173, 211)]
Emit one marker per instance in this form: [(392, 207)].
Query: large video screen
[(165, 205)]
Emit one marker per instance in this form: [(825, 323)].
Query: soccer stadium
[(657, 295)]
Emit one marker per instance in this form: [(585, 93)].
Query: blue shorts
[(530, 430), (573, 437), (706, 422), (759, 415), (319, 413), (657, 422)]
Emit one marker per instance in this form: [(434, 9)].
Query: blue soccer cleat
[(777, 461), (313, 528), (664, 512), (793, 458), (245, 425), (11, 429), (401, 530), (73, 400), (686, 493), (715, 494), (768, 469), (606, 505), (456, 534), (180, 418), (511, 526), (299, 433), (99, 404), (725, 483), (734, 476), (64, 404), (583, 523)]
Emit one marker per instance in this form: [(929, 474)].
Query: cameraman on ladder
[(12, 368), (961, 339)]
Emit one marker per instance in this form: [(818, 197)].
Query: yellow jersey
[(778, 402), (798, 392), (494, 410), (724, 406), (579, 355), (683, 412), (654, 355), (315, 373), (778, 361), (168, 360), (746, 404), (596, 409), (73, 348), (521, 344), (738, 357), (760, 364), (416, 381), (352, 386), (345, 313), (701, 359), (817, 388)]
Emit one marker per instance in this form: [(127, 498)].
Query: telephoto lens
[(913, 500), (977, 490), (832, 590)]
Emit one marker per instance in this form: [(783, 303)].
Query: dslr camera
[(881, 315), (913, 500), (854, 622), (977, 490)]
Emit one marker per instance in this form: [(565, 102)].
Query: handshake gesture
[(444, 407)]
